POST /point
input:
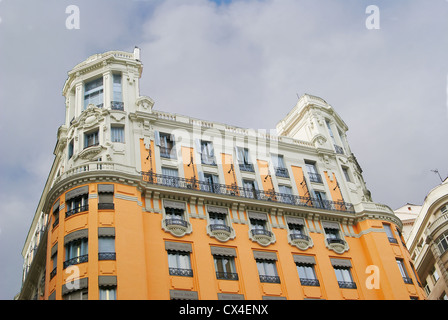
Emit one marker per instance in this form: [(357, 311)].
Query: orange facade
[(140, 267)]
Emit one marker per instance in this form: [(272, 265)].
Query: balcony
[(232, 190), (181, 272), (315, 177), (107, 256), (106, 206), (281, 172), (220, 227), (269, 279), (76, 260), (249, 167), (339, 149), (407, 280), (309, 282), (226, 276), (299, 236), (176, 222), (439, 222), (167, 153), (77, 210), (347, 284), (117, 105)]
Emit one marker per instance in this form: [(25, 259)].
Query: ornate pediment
[(144, 104)]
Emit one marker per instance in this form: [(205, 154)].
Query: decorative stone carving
[(144, 104)]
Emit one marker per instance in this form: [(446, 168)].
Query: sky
[(239, 62)]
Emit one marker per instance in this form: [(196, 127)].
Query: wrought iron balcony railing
[(263, 232), (167, 153), (407, 280), (247, 167), (269, 279), (181, 272), (233, 190), (281, 172), (77, 210), (347, 284), (117, 105), (340, 241), (315, 177), (309, 282), (220, 227), (226, 276), (176, 222), (76, 260), (338, 149), (53, 273), (107, 256), (392, 240), (106, 206), (299, 236)]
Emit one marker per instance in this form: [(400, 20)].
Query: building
[(407, 214), (428, 243), (144, 204)]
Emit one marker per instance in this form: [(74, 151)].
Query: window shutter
[(198, 145), (157, 138)]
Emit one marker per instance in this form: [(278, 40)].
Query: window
[(173, 213), (179, 264), (70, 149), (426, 288), (77, 295), (91, 139), (321, 200), (444, 209), (296, 231), (218, 221), (250, 189), (267, 271), (76, 252), (225, 267), (312, 172), (108, 293), (389, 233), (106, 196), (442, 243), (207, 152), (307, 274), (338, 148), (330, 131), (286, 195), (117, 134), (56, 215), (93, 93), (77, 204), (242, 155), (106, 248), (258, 227), (403, 271), (117, 98), (332, 233), (279, 166), (344, 277), (165, 142), (346, 174), (434, 275), (54, 259), (211, 182), (170, 176)]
